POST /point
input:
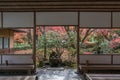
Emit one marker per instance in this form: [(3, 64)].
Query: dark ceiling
[(59, 5), (62, 0)]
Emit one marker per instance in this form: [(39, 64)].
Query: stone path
[(58, 74)]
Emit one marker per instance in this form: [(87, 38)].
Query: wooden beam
[(34, 42), (59, 5), (56, 0), (78, 45)]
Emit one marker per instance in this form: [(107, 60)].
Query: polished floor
[(47, 74), (105, 76), (14, 77), (58, 74)]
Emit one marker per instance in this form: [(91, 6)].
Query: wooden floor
[(58, 74), (47, 74), (17, 77), (104, 76)]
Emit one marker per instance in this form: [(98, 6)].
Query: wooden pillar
[(78, 49), (45, 50), (34, 42)]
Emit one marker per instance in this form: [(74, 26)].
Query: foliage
[(117, 32), (25, 37), (21, 46), (39, 64), (117, 51), (58, 42), (52, 40), (115, 43), (64, 38), (105, 47), (54, 59), (69, 64)]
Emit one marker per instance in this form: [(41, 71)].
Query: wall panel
[(116, 19), (56, 18), (95, 19), (18, 19)]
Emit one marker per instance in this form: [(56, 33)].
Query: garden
[(56, 45)]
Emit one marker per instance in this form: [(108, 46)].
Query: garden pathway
[(58, 74)]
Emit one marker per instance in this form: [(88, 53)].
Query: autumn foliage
[(85, 35)]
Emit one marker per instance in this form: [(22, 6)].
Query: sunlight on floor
[(58, 74)]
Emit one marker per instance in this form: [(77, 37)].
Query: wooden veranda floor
[(47, 74), (104, 76), (15, 77)]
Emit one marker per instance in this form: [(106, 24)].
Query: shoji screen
[(56, 18), (95, 19), (18, 19), (116, 19)]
